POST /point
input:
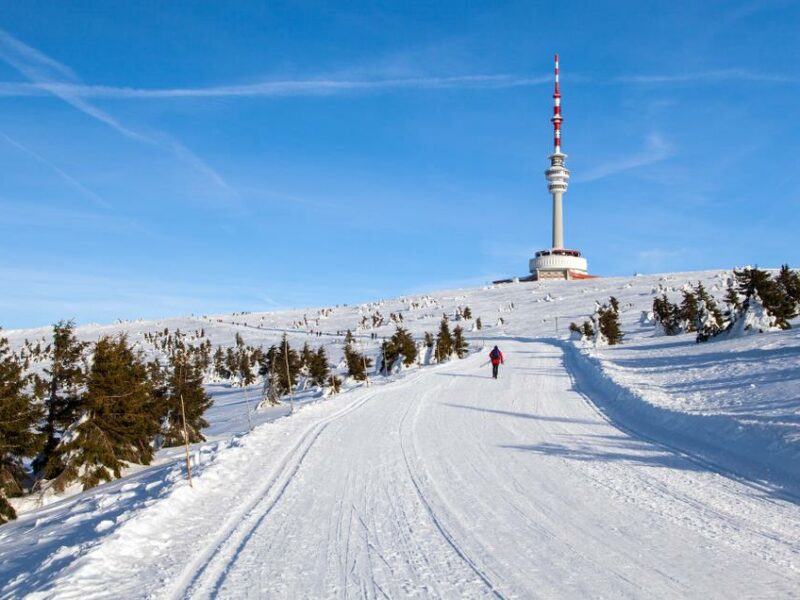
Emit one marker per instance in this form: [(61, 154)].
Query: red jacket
[(499, 359)]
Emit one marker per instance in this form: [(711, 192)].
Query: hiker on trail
[(496, 358)]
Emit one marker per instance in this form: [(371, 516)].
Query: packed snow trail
[(450, 484)]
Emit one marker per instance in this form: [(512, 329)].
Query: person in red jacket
[(496, 358)]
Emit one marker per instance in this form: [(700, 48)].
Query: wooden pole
[(364, 359), (247, 401), (183, 418), (186, 443), (288, 374)]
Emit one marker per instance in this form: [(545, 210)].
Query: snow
[(659, 468)]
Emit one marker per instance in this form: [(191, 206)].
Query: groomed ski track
[(448, 484)]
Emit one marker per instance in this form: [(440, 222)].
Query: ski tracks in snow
[(449, 484), (437, 521), (201, 577)]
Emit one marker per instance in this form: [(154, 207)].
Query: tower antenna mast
[(557, 262)]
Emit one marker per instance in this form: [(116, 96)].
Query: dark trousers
[(495, 368)]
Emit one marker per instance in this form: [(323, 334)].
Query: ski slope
[(659, 469), (450, 484)]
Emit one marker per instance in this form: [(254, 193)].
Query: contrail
[(48, 75), (65, 176)]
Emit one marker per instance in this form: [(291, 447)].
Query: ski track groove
[(201, 578), (459, 550), (244, 523), (398, 524)]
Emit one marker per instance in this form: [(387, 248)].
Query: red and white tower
[(557, 262)]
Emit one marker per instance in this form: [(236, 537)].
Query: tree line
[(100, 407), (96, 409), (751, 292)]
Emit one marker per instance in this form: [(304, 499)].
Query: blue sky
[(194, 157)]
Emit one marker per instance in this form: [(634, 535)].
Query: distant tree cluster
[(751, 291), (603, 327)]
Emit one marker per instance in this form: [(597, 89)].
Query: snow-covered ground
[(659, 468)]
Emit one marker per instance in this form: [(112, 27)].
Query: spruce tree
[(428, 339), (388, 355), (709, 319), (231, 362), (18, 438), (775, 300), (460, 345), (688, 311), (306, 357), (667, 314), (65, 378), (587, 330), (220, 367), (444, 341), (319, 370), (732, 301), (186, 400), (478, 324), (116, 422), (789, 282), (284, 355), (244, 371), (404, 344), (357, 363), (335, 384), (608, 324)]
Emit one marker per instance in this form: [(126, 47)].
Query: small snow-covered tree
[(605, 323), (444, 341), (688, 311), (775, 301), (753, 318), (404, 345), (186, 401), (667, 315), (334, 384), (460, 344), (318, 370), (789, 282), (357, 363)]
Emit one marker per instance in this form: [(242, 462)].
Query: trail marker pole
[(288, 374), (186, 443), (364, 360), (247, 402)]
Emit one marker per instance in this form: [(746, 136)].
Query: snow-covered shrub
[(755, 318)]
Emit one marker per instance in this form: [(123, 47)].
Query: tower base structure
[(554, 264), (559, 263)]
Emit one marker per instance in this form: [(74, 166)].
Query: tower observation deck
[(558, 262)]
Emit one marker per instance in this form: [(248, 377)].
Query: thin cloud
[(713, 76), (656, 149), (49, 76), (296, 87), (85, 191)]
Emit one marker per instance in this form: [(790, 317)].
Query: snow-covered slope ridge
[(659, 468)]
